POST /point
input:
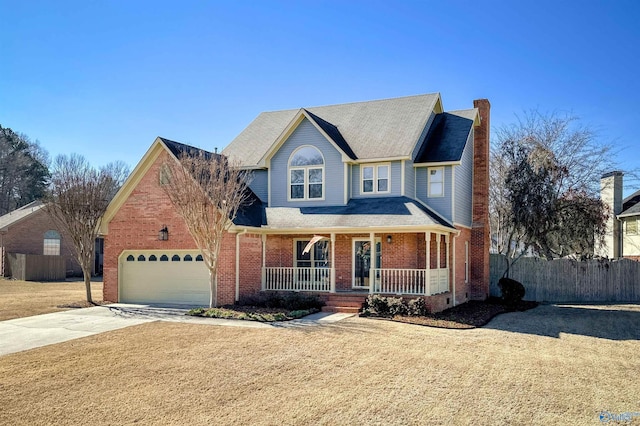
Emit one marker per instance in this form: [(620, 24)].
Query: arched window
[(130, 258), (153, 258), (175, 258), (164, 258), (188, 258), (199, 258), (141, 258), (51, 243), (306, 174)]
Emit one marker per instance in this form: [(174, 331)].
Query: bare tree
[(78, 197), (207, 191), (544, 189)]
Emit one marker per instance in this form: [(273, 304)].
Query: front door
[(362, 261)]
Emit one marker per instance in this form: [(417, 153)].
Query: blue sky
[(104, 78)]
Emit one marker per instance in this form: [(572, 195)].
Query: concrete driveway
[(21, 334)]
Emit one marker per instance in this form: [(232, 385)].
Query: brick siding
[(480, 229), (27, 237), (135, 227)]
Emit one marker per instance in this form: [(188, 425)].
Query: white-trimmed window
[(317, 257), (436, 181), (632, 226), (306, 174), (51, 243), (376, 178)]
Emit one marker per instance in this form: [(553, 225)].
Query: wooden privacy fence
[(565, 280), (35, 267)]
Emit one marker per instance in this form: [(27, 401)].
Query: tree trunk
[(213, 290), (87, 282)]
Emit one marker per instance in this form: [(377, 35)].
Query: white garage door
[(170, 277)]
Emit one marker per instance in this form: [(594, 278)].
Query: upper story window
[(632, 226), (436, 181), (51, 243), (375, 178), (306, 174)]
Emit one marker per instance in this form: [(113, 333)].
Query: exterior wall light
[(389, 239), (163, 235)]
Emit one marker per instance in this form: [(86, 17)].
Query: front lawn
[(549, 365), (26, 298)]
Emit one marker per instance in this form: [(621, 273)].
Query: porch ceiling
[(388, 212)]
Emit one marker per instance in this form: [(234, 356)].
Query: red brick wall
[(480, 229), (135, 227), (250, 263), (27, 237), (463, 290)]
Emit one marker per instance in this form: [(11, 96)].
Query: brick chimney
[(480, 234), (611, 196)]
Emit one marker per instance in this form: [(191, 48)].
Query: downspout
[(238, 263)]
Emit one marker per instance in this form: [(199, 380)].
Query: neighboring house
[(622, 238), (394, 191), (30, 230)]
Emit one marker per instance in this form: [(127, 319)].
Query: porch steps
[(344, 303)]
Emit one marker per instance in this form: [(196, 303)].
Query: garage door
[(171, 277)]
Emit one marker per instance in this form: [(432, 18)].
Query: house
[(392, 193), (30, 230), (622, 238)]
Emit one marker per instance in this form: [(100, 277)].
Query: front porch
[(411, 264), (419, 282)]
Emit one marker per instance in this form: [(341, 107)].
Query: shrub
[(290, 301), (417, 307), (390, 306), (512, 291), (397, 306)]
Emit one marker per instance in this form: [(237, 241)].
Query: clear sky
[(104, 78)]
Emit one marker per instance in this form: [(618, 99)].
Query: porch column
[(264, 261), (427, 275), (333, 264), (447, 242), (439, 238), (372, 262)]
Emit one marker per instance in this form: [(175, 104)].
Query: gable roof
[(249, 215), (631, 205), (333, 133), (447, 137), (387, 128), (20, 214)]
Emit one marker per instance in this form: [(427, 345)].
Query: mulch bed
[(467, 315)]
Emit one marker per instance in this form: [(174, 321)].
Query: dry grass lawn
[(25, 298), (549, 365)]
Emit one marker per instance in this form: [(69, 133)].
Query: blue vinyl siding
[(442, 205), (395, 176), (464, 185), (260, 184), (307, 134), (409, 179)]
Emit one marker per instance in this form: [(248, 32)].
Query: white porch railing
[(297, 279), (410, 281), (389, 281)]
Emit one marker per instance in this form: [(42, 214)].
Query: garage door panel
[(171, 282)]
